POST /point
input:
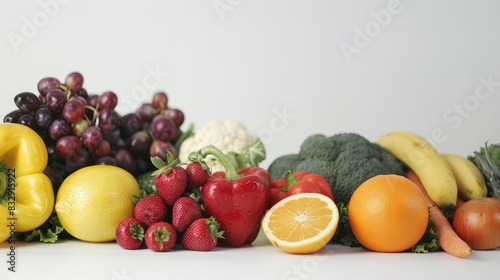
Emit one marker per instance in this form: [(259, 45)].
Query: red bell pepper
[(299, 182), (238, 199)]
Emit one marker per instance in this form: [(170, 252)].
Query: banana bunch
[(444, 176), (470, 181)]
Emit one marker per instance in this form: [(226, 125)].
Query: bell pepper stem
[(290, 180), (4, 178), (230, 174)]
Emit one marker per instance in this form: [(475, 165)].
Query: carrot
[(448, 238)]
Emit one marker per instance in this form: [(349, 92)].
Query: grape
[(82, 93), (101, 150), (159, 148), (125, 160), (59, 128), (54, 177), (93, 100), (113, 136), (90, 109), (79, 127), (106, 160), (109, 120), (13, 117), (175, 115), (163, 128), (143, 165), (107, 100), (130, 124), (74, 110), (81, 99), (160, 101), (91, 137), (68, 145), (139, 143), (47, 84), (51, 151), (74, 82), (27, 102), (146, 112), (55, 100), (78, 159), (43, 117), (27, 120)]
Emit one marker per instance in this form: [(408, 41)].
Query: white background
[(255, 61), (277, 66)]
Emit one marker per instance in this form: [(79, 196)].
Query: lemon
[(302, 223), (92, 201)]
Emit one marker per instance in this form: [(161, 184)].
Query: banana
[(429, 165), (470, 181)]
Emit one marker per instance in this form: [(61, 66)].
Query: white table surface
[(72, 259)]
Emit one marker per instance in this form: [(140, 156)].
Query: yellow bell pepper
[(26, 194)]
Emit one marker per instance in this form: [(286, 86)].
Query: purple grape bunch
[(81, 129)]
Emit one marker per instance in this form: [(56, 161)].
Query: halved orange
[(302, 223)]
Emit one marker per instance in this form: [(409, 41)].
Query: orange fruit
[(388, 213), (302, 223)]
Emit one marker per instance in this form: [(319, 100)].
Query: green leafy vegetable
[(254, 155), (48, 232), (429, 241)]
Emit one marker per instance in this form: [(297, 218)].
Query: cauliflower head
[(227, 135)]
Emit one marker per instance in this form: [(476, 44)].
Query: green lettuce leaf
[(429, 241), (48, 232)]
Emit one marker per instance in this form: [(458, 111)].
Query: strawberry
[(170, 178), (160, 236), (149, 209), (129, 234), (184, 211), (202, 235), (197, 173)]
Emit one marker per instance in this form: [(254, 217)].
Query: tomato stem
[(290, 179)]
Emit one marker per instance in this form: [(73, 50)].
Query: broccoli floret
[(329, 151), (345, 160), (282, 164), (353, 167), (319, 167)]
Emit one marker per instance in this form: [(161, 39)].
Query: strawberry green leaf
[(158, 162), (137, 231), (161, 235)]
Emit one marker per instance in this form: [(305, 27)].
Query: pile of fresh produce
[(451, 185), (189, 204), (70, 164)]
